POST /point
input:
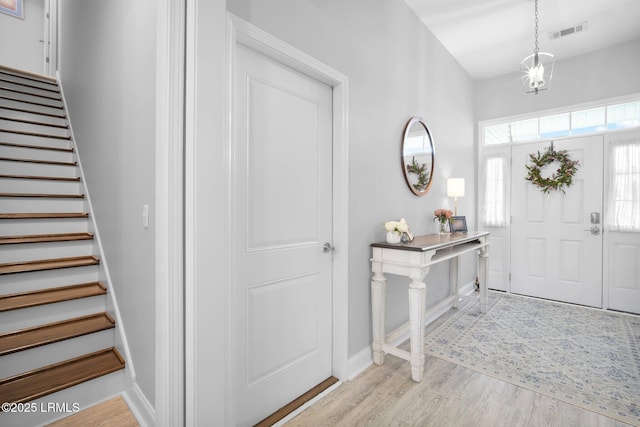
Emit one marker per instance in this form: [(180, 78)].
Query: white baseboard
[(140, 406), (364, 358)]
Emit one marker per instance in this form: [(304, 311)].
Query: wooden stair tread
[(40, 238), (43, 215), (24, 101), (46, 162), (48, 264), (60, 113), (44, 178), (49, 379), (12, 342), (36, 134), (53, 95), (36, 147), (52, 89), (50, 295), (44, 195), (28, 75)]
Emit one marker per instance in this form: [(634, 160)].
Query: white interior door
[(282, 210), (553, 253)]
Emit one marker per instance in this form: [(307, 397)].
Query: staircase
[(56, 336)]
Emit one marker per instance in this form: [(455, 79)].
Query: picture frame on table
[(458, 224)]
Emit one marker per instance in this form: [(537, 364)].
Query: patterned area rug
[(585, 357)]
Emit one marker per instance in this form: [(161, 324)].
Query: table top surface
[(431, 242)]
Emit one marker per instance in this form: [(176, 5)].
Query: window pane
[(497, 134), (495, 212), (525, 130), (592, 120), (556, 125), (625, 186), (623, 115)]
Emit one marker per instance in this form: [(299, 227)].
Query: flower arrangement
[(397, 226), (442, 215), (398, 231)]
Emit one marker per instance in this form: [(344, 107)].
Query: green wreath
[(562, 177), (419, 169)]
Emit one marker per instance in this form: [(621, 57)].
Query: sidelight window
[(624, 205)]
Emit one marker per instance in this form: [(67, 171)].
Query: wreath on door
[(562, 177)]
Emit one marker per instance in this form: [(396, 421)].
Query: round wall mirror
[(418, 156)]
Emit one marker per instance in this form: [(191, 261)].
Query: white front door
[(554, 253), (281, 219)]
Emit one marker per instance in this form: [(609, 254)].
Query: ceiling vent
[(568, 31)]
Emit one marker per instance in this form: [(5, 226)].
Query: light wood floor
[(449, 395), (112, 413)]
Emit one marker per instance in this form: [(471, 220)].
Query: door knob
[(594, 230), (328, 248)]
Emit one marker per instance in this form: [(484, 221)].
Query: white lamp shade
[(455, 187)]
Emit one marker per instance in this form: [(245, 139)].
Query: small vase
[(393, 237), (443, 228)]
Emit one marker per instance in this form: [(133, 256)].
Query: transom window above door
[(576, 122)]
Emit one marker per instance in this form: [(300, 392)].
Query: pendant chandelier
[(537, 67)]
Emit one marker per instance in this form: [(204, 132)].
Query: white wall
[(107, 70), (603, 74), (20, 45), (396, 70)]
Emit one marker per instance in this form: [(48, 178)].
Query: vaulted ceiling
[(491, 37)]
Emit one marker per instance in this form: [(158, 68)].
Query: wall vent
[(568, 31)]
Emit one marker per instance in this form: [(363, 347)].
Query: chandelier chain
[(536, 14)]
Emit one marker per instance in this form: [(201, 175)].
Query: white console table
[(413, 260)]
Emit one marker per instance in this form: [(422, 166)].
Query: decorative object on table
[(455, 189), (458, 224), (537, 67), (442, 216), (418, 156), (12, 7), (398, 231), (562, 177)]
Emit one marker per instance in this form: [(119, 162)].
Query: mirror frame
[(405, 173)]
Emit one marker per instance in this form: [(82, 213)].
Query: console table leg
[(483, 259), (417, 314), (378, 307), (453, 279)]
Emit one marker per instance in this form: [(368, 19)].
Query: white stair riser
[(29, 317), (36, 154), (16, 138), (84, 395), (10, 125), (17, 185), (34, 251), (27, 88), (40, 204), (32, 117), (39, 169), (25, 282), (25, 106), (27, 360), (11, 77), (30, 98), (14, 227)]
